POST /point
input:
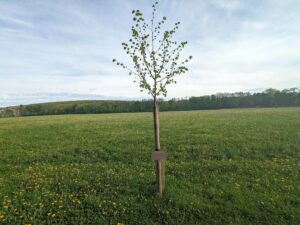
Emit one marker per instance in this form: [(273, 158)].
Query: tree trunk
[(159, 164), (156, 125)]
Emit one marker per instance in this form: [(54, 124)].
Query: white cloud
[(48, 47), (229, 6), (15, 21)]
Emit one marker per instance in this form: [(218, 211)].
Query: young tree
[(156, 61)]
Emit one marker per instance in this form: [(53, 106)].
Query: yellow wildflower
[(1, 217)]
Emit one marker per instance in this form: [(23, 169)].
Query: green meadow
[(238, 166)]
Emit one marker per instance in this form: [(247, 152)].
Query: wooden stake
[(159, 164)]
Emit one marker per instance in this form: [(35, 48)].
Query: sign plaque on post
[(158, 155)]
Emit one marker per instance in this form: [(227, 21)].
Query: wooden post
[(159, 157), (159, 162)]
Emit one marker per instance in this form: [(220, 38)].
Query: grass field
[(224, 167)]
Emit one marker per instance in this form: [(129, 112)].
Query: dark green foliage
[(269, 98), (236, 167)]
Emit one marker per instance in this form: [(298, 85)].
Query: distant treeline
[(268, 98)]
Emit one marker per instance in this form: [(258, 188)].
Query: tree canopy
[(155, 54)]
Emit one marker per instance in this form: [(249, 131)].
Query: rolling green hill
[(268, 98), (223, 167)]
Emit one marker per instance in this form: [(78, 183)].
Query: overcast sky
[(63, 49)]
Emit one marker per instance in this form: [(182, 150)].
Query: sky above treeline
[(55, 50)]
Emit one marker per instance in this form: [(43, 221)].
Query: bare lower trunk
[(159, 164), (156, 125)]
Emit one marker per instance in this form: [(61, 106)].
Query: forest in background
[(268, 98)]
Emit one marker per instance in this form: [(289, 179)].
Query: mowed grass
[(223, 167)]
